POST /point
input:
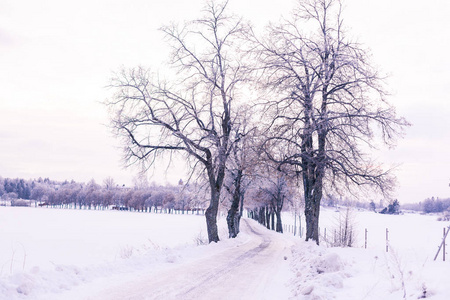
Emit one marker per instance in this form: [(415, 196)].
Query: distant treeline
[(92, 195), (383, 206), (430, 205)]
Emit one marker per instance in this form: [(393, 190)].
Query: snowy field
[(406, 271), (73, 254)]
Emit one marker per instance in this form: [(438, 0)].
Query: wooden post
[(300, 224), (295, 223), (387, 240), (365, 239), (443, 245)]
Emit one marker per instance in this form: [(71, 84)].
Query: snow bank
[(406, 271), (349, 273)]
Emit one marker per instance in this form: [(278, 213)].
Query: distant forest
[(71, 194), (145, 197), (430, 205)]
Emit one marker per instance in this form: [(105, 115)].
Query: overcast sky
[(56, 58)]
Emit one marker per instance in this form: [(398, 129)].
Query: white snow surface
[(78, 254)]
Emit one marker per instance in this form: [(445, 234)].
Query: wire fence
[(334, 238)]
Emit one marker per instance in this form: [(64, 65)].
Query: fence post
[(295, 223), (387, 240), (443, 245), (300, 224), (365, 239)]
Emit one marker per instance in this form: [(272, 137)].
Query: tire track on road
[(240, 272)]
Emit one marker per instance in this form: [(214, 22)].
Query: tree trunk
[(312, 221), (313, 196), (279, 224), (268, 212), (233, 223), (233, 216), (262, 214), (211, 223), (241, 210), (272, 218), (211, 211), (211, 216)]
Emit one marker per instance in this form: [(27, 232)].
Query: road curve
[(256, 269)]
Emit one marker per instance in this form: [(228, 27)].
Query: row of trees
[(271, 199), (298, 103), (273, 195), (95, 196)]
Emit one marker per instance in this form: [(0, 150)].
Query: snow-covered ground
[(73, 254), (406, 271)]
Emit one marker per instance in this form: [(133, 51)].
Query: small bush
[(343, 235), (200, 239), (424, 292), (126, 252), (392, 209)]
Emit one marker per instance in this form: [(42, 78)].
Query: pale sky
[(56, 58)]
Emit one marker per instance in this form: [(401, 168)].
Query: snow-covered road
[(257, 268)]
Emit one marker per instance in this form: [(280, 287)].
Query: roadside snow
[(406, 271)]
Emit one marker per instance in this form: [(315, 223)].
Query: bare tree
[(192, 114), (241, 167), (109, 183), (330, 105)]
